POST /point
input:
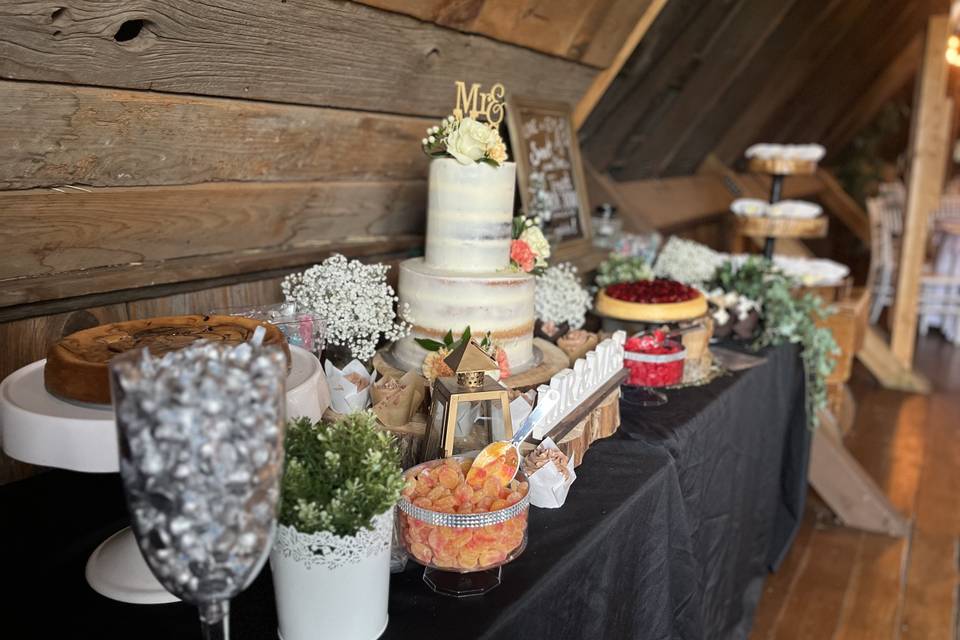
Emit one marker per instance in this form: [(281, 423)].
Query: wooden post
[(603, 79), (929, 135)]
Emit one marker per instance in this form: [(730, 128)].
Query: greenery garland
[(786, 317)]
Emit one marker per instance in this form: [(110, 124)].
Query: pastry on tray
[(651, 301), (76, 367)]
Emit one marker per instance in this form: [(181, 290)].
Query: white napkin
[(344, 395), (548, 490), (520, 408)]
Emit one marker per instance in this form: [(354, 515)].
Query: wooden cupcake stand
[(836, 475), (773, 228)]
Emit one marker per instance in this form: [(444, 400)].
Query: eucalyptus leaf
[(786, 316)]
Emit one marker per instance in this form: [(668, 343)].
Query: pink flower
[(503, 363), (434, 367), (522, 255)]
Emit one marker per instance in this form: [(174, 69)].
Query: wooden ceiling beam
[(847, 74), (736, 48), (836, 200), (795, 27), (615, 30), (603, 80), (586, 31), (676, 202), (683, 29), (789, 78), (891, 80)]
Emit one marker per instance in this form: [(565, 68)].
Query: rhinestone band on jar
[(463, 520)]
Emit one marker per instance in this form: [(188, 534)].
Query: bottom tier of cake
[(435, 301)]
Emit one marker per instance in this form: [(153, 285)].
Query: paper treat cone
[(577, 344), (346, 396), (548, 487), (396, 400)]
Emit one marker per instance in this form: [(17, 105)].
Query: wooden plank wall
[(208, 103), (173, 156)]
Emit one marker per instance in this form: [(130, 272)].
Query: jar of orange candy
[(447, 525)]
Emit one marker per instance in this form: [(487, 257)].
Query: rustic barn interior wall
[(174, 157), (169, 156)]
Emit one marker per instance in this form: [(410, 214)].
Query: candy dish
[(462, 536), (654, 361)]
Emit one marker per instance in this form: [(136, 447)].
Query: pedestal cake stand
[(41, 429)]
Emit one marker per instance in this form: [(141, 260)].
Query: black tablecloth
[(667, 533), (741, 447)]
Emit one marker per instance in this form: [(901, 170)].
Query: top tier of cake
[(469, 216)]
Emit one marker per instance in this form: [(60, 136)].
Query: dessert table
[(668, 532)]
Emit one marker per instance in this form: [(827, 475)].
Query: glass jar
[(462, 542)]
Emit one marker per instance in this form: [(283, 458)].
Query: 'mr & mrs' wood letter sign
[(475, 103)]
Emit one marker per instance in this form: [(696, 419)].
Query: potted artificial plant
[(331, 558)]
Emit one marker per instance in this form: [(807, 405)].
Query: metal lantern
[(470, 410)]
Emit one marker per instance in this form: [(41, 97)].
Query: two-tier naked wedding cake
[(477, 265), (464, 279)]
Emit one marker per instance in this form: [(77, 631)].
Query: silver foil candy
[(201, 453)]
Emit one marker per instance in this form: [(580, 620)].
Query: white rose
[(535, 240), (469, 141)]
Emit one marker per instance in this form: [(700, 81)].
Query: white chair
[(945, 299), (885, 229), (938, 302)]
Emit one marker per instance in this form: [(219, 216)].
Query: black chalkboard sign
[(547, 154)]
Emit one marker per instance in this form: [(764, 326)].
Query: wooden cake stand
[(769, 227), (783, 166), (779, 168)]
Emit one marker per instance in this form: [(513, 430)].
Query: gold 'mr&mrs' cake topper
[(475, 103)]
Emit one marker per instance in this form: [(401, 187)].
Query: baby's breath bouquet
[(354, 301), (338, 475), (560, 297)]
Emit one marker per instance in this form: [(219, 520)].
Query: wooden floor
[(842, 584)]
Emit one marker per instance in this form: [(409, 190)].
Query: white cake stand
[(41, 429)]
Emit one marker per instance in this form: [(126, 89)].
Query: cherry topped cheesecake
[(76, 367), (651, 301)]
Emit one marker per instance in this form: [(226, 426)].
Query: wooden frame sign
[(547, 153)]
